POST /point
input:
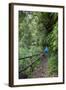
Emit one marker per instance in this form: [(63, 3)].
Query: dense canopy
[(36, 31)]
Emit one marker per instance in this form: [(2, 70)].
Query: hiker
[(46, 50)]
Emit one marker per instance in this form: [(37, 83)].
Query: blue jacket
[(46, 50)]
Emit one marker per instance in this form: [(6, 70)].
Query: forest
[(38, 31)]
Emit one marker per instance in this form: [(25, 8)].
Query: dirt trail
[(41, 70)]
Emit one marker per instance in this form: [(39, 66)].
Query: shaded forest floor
[(42, 69), (45, 68)]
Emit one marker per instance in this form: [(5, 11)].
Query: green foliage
[(53, 54), (53, 37), (36, 31), (53, 66)]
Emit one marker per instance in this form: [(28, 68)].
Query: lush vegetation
[(36, 31)]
